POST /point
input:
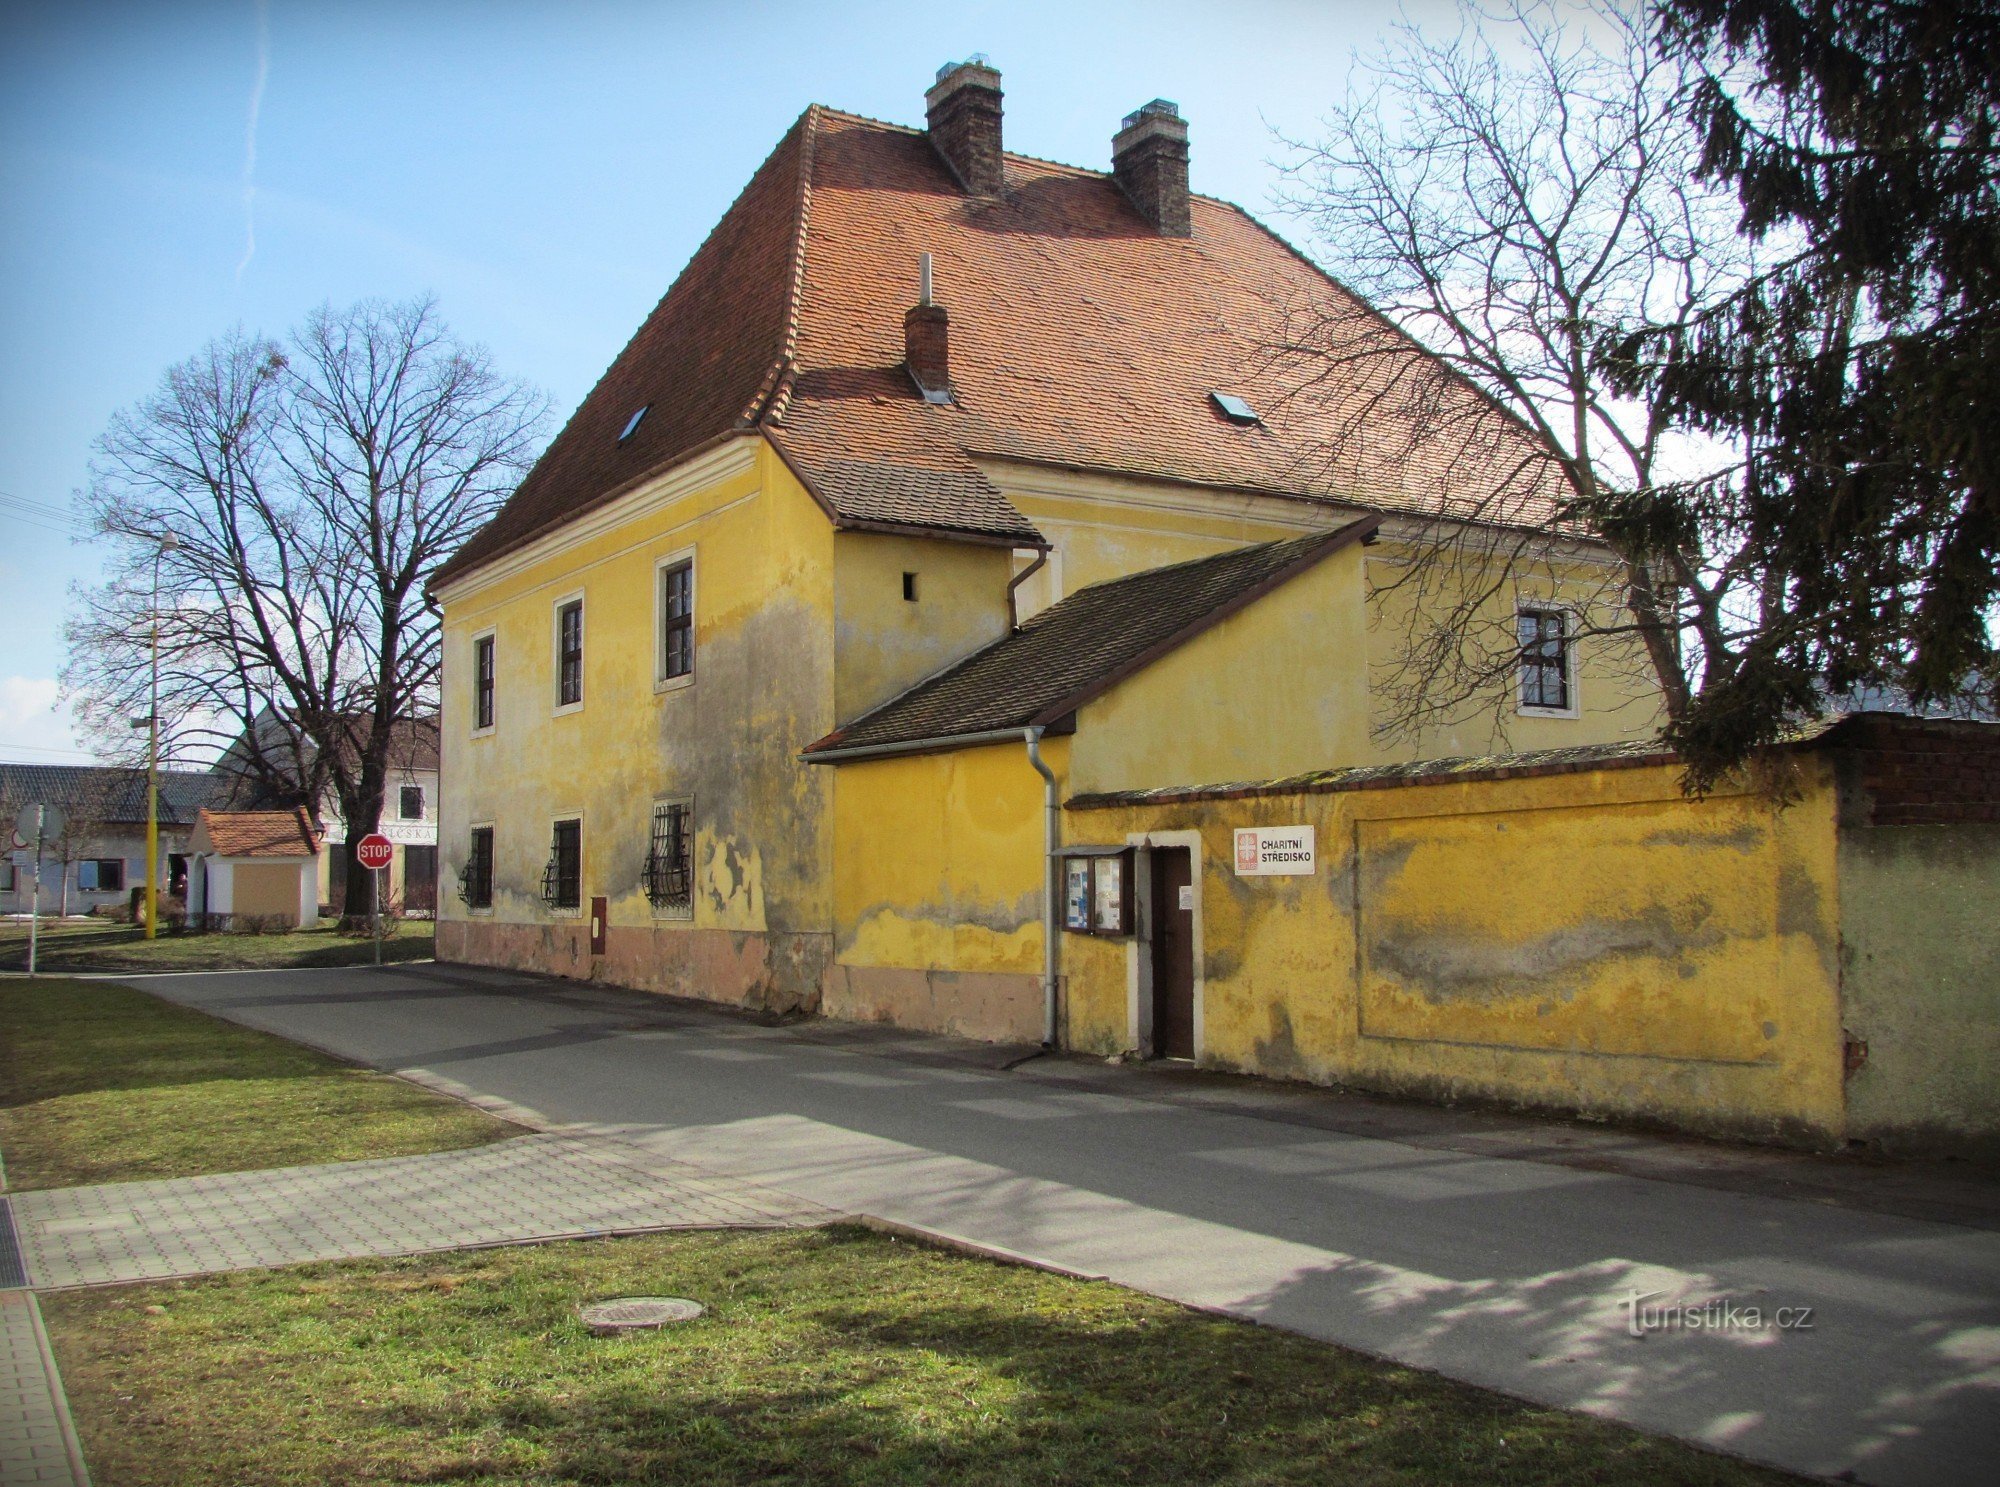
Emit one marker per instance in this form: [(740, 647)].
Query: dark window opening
[(670, 862), (475, 879), (677, 620), (482, 682), (569, 653), (910, 587), (1544, 639), (101, 874), (562, 879), (411, 806)]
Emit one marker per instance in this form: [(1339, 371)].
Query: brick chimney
[(963, 108), (927, 340), (1149, 157)]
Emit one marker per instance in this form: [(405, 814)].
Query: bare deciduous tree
[(1509, 196), (312, 488)]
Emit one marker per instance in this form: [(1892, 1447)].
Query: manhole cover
[(630, 1313)]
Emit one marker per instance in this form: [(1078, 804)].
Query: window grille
[(475, 879), (670, 861), (569, 653), (562, 879), (677, 620), (482, 682), (1544, 640)]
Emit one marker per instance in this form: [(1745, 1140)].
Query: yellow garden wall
[(1586, 941)]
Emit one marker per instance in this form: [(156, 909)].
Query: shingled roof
[(1082, 647), (1080, 337), (101, 795), (259, 833)]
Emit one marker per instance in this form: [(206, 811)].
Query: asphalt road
[(1514, 1273)]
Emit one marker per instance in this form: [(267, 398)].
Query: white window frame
[(582, 880), (673, 915), (1570, 688), (661, 681), (492, 634), (559, 708)]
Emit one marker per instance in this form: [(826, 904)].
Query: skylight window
[(632, 424), (1232, 407)]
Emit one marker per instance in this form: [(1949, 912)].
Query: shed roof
[(1080, 337), (1080, 648)]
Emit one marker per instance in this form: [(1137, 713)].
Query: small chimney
[(1149, 157), (963, 108), (927, 340)]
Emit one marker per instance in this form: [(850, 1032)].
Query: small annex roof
[(1080, 338), (1080, 648), (256, 834)]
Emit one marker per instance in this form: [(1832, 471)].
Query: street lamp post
[(168, 542)]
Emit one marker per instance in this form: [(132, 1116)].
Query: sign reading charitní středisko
[(1272, 851)]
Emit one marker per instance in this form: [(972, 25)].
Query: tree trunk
[(363, 814)]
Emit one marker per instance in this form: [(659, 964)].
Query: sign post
[(375, 852), (37, 823)]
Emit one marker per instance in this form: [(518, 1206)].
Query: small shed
[(254, 865)]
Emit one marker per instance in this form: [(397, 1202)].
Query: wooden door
[(1173, 953), (420, 880)]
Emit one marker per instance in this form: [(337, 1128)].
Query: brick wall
[(1919, 771)]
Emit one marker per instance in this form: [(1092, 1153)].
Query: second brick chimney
[(1149, 158), (927, 340), (963, 110)]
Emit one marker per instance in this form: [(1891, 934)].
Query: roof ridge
[(773, 391)]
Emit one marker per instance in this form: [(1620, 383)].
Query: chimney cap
[(977, 59), (1162, 108)]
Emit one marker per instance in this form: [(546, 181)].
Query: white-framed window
[(673, 620), (485, 682), (566, 640), (101, 875), (562, 876), (1546, 669), (670, 858)]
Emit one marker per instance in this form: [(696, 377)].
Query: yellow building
[(751, 686)]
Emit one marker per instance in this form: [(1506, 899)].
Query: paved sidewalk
[(37, 1443), (532, 1188)]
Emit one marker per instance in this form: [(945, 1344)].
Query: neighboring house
[(254, 869), (99, 857), (409, 809), (738, 683)]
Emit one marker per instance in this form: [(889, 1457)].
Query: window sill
[(674, 916), (565, 709), (1548, 712), (566, 913), (487, 732), (673, 684)]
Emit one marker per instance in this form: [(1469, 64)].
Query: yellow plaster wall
[(1276, 689), (764, 599), (1588, 941), (883, 642), (939, 863)]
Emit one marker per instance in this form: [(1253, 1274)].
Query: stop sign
[(373, 850)]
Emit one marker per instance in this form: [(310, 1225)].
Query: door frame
[(1139, 949)]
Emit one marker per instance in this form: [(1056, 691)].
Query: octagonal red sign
[(374, 850)]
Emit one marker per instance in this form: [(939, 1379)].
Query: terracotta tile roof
[(1078, 649), (259, 833), (1079, 337)]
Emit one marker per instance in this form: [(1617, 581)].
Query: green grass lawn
[(830, 1356), (102, 1083), (99, 945)]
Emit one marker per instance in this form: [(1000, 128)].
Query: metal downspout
[(1050, 944)]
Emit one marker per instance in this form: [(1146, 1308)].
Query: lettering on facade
[(1275, 851)]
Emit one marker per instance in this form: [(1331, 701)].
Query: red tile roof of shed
[(259, 833), (1080, 337)]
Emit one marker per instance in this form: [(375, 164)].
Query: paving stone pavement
[(37, 1443), (554, 1185)]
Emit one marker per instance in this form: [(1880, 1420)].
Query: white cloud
[(35, 728)]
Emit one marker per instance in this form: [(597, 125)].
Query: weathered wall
[(762, 689), (1586, 941), (884, 643), (937, 890)]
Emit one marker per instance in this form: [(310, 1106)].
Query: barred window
[(677, 620), (562, 879), (1544, 639), (482, 682), (475, 879), (670, 862), (569, 653)]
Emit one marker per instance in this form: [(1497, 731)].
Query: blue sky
[(544, 168)]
